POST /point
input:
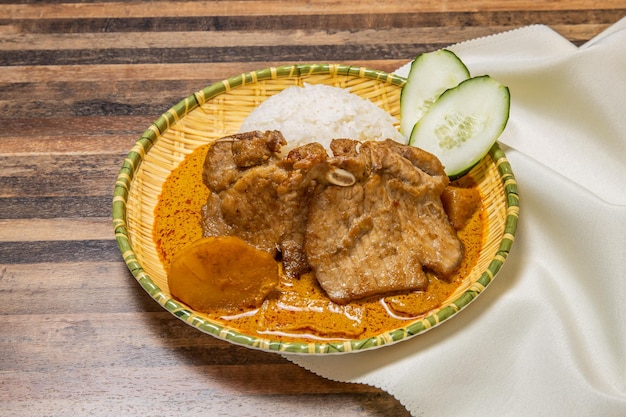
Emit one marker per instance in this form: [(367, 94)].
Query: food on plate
[(260, 197), (366, 220), (464, 123), (453, 116), (320, 113), (431, 74), (365, 231), (460, 203), (222, 272), (298, 309), (378, 235)]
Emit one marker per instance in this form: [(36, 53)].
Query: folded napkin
[(548, 336)]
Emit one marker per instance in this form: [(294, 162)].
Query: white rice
[(320, 113)]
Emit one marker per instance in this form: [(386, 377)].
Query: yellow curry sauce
[(298, 309)]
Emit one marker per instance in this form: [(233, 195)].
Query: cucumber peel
[(463, 123), (430, 75)]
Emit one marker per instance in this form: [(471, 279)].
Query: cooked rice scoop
[(320, 113)]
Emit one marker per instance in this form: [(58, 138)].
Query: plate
[(218, 110)]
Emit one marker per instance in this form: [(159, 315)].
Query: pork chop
[(377, 235), (259, 197)]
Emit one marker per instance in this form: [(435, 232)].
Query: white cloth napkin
[(548, 336)]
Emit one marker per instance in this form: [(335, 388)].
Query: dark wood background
[(79, 82)]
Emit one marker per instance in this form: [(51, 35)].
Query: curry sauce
[(298, 309)]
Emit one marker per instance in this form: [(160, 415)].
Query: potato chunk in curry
[(222, 273)]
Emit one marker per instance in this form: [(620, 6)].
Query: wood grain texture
[(79, 82)]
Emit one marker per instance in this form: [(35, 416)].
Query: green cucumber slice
[(463, 124), (431, 74)]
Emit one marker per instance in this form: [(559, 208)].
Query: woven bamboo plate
[(219, 110)]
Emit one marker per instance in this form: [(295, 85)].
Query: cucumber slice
[(431, 74), (463, 124)]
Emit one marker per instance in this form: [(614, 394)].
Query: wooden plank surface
[(79, 82)]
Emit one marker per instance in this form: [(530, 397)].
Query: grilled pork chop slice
[(376, 235), (259, 197)]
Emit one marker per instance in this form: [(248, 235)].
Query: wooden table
[(79, 82)]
